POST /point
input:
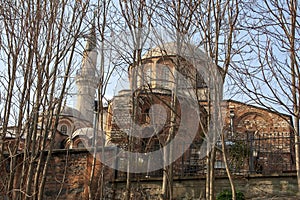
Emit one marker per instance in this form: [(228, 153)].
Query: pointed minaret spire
[(92, 38), (86, 78)]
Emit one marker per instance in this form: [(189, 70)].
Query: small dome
[(171, 49), (86, 134), (87, 131), (72, 112), (68, 111)]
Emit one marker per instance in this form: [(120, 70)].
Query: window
[(156, 144), (80, 145), (200, 81), (146, 116), (147, 79), (183, 82), (64, 129), (138, 76), (219, 164), (165, 76)]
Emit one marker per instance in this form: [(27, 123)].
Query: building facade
[(149, 115)]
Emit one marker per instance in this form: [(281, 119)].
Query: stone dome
[(172, 49), (72, 112), (87, 131)]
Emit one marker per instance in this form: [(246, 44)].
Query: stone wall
[(69, 171), (254, 187), (67, 176)]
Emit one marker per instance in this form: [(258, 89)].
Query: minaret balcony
[(85, 73)]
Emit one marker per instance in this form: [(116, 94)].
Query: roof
[(187, 51), (258, 107), (184, 50), (87, 131), (69, 111)]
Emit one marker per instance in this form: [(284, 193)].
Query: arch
[(166, 60), (147, 61), (143, 74), (147, 74), (66, 143), (252, 121), (65, 126), (64, 129), (200, 83), (185, 68), (163, 75), (80, 142)]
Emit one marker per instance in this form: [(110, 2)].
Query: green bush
[(227, 195)]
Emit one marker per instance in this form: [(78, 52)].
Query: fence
[(260, 154)]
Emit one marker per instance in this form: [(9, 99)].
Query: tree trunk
[(227, 167), (210, 174), (94, 147)]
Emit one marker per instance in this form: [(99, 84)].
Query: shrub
[(227, 195)]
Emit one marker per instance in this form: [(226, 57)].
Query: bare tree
[(105, 69), (184, 21), (217, 23), (268, 73), (136, 16), (212, 25), (38, 48), (38, 44), (175, 19)]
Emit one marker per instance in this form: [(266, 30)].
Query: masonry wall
[(67, 176), (254, 187), (69, 171)]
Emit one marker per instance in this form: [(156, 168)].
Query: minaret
[(86, 78)]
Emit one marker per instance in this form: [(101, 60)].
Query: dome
[(68, 111), (171, 49), (87, 131), (86, 134)]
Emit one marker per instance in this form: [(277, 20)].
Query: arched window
[(138, 77), (148, 74), (64, 129), (80, 145), (165, 76), (200, 81)]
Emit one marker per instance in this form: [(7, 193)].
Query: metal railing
[(264, 154)]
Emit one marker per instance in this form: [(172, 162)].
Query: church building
[(169, 99)]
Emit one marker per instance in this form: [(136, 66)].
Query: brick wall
[(69, 172)]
